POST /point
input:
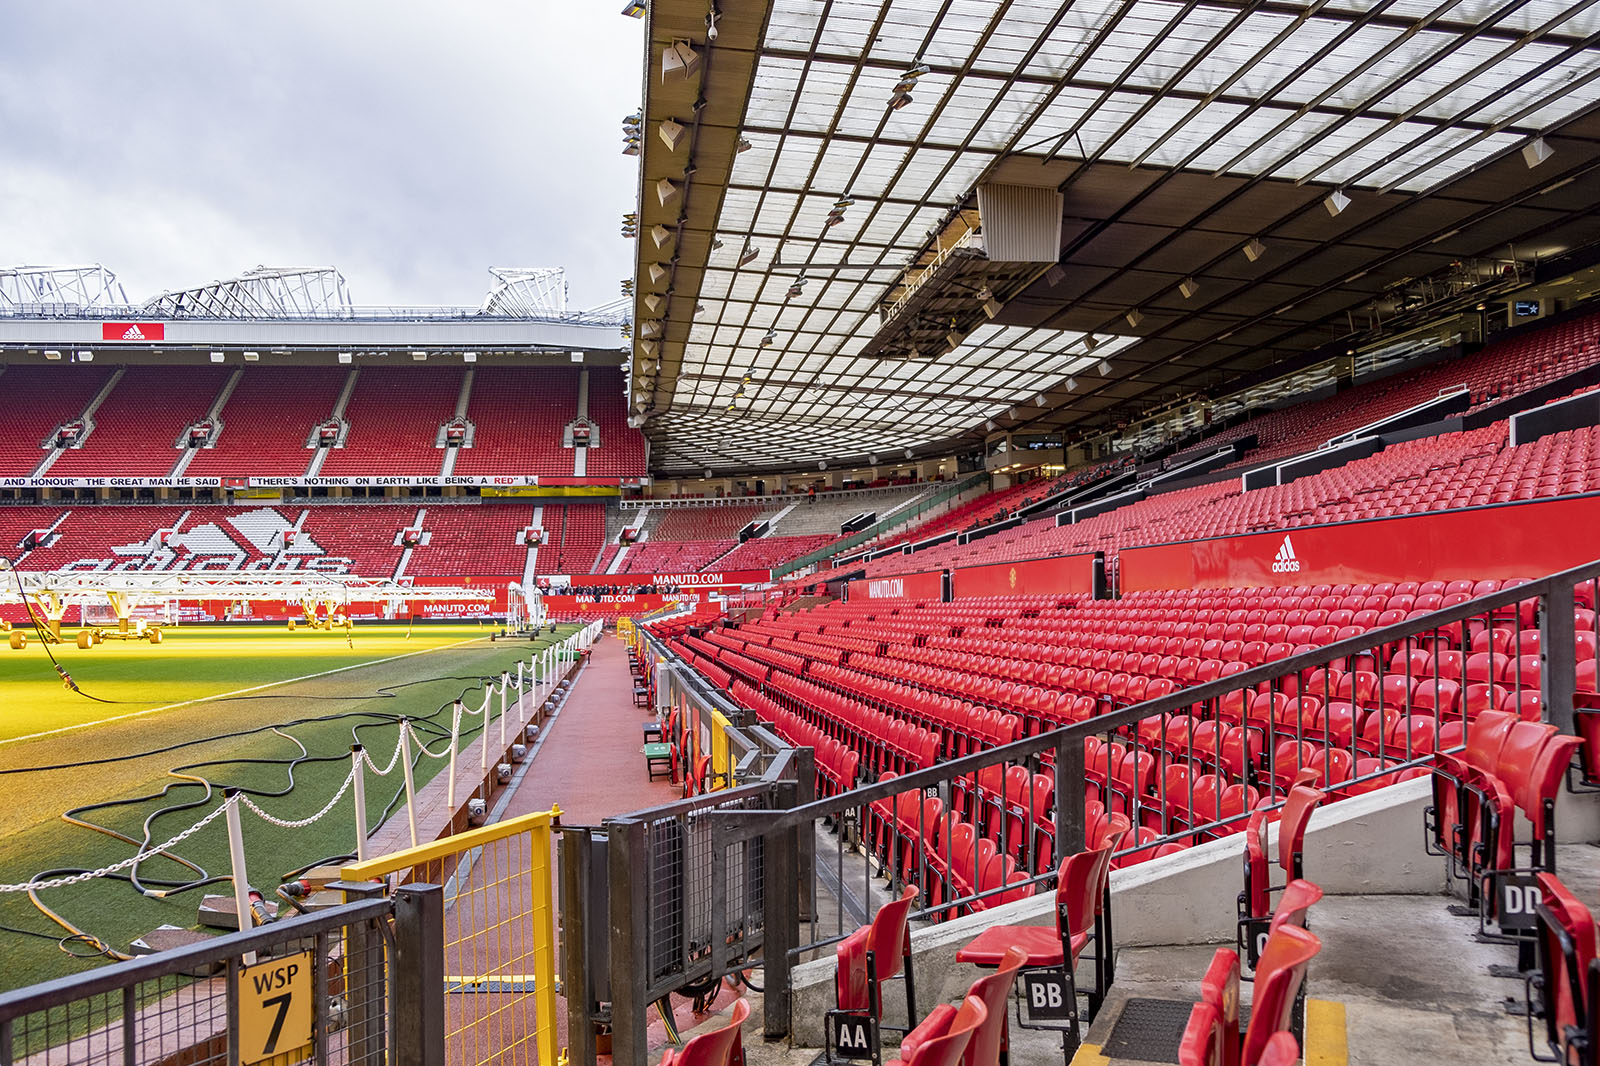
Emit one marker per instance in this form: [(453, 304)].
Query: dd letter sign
[(275, 1007)]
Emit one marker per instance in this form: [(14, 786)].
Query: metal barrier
[(343, 985), (498, 920), (1185, 767)]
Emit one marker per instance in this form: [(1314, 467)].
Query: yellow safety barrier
[(721, 765), (500, 935)]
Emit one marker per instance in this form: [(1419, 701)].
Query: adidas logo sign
[(1286, 563), (133, 333)]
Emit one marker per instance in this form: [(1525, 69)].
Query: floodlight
[(650, 328), (469, 357), (671, 132), (1134, 317), (749, 255), (1536, 152), (252, 357), (1055, 275), (769, 338), (1104, 368), (653, 302), (1336, 202), (658, 273), (1072, 384), (991, 307), (909, 453), (634, 9), (1089, 342), (797, 287), (743, 146), (419, 357), (954, 339), (665, 191), (52, 355), (345, 357), (899, 100), (85, 357), (216, 357), (1254, 249), (1188, 286), (660, 234), (648, 348), (577, 357)]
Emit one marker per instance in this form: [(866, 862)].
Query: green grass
[(197, 668)]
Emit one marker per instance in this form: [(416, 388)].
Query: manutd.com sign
[(133, 331)]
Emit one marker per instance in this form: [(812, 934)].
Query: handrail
[(877, 529)]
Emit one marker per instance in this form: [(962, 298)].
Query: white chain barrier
[(116, 868)]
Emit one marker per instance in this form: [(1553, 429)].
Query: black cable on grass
[(163, 887)]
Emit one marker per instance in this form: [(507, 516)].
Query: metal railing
[(1186, 766), (877, 529), (498, 921), (354, 985)]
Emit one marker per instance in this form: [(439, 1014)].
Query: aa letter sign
[(275, 1007), (1049, 998), (855, 1036)]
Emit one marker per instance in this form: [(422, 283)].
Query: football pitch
[(154, 733)]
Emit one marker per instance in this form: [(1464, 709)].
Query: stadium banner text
[(928, 585), (1502, 541), (1065, 574), (715, 579), (371, 481)]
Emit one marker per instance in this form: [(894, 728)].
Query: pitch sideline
[(236, 692)]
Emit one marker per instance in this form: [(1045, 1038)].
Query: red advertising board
[(1511, 540), (714, 579), (928, 585), (133, 331), (609, 605), (1066, 573)]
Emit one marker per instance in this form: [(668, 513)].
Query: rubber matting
[(1149, 1030)]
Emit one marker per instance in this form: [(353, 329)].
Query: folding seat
[(1080, 891), (720, 1047), (1211, 1037), (868, 957), (1255, 902), (1566, 936), (944, 1037)]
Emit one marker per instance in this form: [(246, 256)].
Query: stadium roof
[(844, 142)]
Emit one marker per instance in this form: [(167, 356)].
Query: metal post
[(411, 784), (241, 879), (1069, 798), (365, 985), (575, 983), (505, 686), (1558, 666), (780, 909), (629, 954), (359, 788), (483, 737), (455, 740), (416, 1001)]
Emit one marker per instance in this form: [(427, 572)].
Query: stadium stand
[(267, 421), (483, 541), (37, 401), (394, 418), (622, 451), (138, 426), (365, 535), (518, 415), (574, 533), (764, 553), (1465, 469)]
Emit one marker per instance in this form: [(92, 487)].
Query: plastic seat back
[(1297, 809), (993, 990), (720, 1047), (948, 1048), (1279, 974)]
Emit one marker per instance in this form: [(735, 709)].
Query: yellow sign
[(275, 1007)]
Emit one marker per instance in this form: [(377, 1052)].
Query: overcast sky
[(412, 144)]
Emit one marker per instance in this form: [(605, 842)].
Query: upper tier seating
[(683, 540), (766, 552), (518, 415), (140, 422), (394, 418), (1466, 469), (267, 420), (622, 448), (483, 541), (37, 400), (1501, 369), (674, 556)]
